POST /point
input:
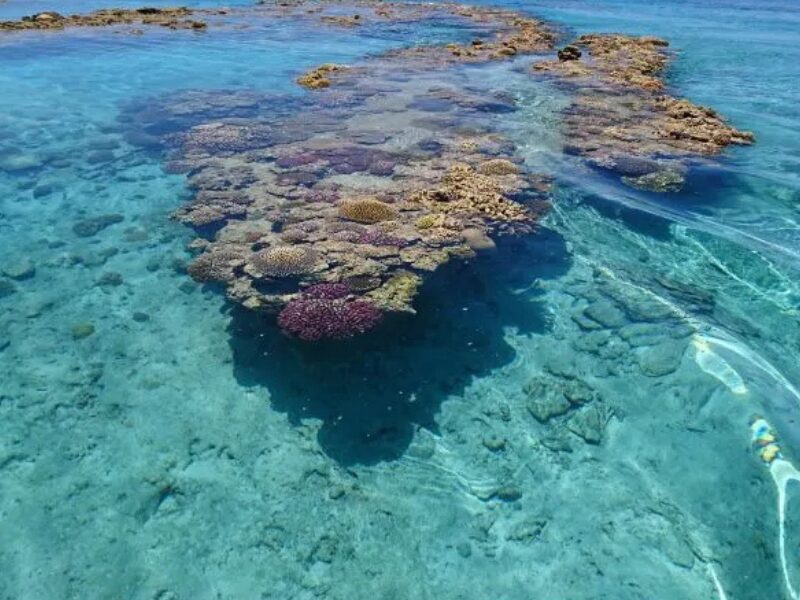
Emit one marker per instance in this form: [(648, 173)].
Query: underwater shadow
[(372, 392)]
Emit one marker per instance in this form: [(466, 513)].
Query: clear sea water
[(186, 450)]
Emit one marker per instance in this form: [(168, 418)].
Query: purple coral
[(314, 319), (327, 291), (377, 237)]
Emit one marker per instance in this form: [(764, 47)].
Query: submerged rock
[(667, 180), (590, 423), (82, 330), (661, 359), (20, 269), (7, 288), (545, 399), (94, 225)]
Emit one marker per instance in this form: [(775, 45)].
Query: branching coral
[(312, 318), (327, 291), (465, 191), (367, 210), (377, 237)]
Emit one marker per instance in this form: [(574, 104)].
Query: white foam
[(716, 366)]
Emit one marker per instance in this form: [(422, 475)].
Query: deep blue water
[(184, 449)]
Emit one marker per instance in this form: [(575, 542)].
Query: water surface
[(158, 443)]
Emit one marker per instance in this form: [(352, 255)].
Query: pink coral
[(314, 319)]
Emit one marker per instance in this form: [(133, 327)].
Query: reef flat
[(173, 18)]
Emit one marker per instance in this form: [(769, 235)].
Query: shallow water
[(158, 443)]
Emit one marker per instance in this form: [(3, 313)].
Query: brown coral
[(282, 261), (498, 166), (467, 192), (367, 210), (217, 265), (319, 77)]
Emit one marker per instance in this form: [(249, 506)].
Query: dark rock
[(494, 443), (94, 225), (20, 269), (569, 53), (6, 288), (41, 191), (141, 317), (508, 493), (110, 278)]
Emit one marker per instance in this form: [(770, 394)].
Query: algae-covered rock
[(545, 399), (94, 225), (666, 180), (397, 293), (590, 423), (605, 313), (662, 359), (82, 330), (527, 530), (494, 443), (20, 269)]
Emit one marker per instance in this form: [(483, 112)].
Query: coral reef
[(621, 120), (356, 193), (174, 18)]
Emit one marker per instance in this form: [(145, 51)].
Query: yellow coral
[(318, 78), (367, 210), (428, 221), (397, 293), (498, 166)]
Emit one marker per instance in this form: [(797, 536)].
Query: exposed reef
[(620, 118), (173, 18)]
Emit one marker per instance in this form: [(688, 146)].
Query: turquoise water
[(158, 443)]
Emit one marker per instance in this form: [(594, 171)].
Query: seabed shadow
[(372, 392)]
